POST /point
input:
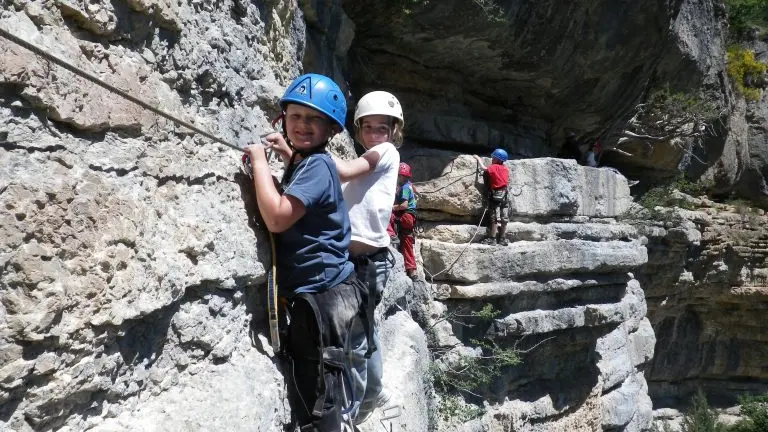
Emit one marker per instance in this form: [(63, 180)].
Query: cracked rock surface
[(131, 262)]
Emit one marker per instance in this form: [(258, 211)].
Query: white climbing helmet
[(379, 102)]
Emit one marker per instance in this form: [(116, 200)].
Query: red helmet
[(404, 170)]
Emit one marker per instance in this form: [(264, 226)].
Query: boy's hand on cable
[(276, 142), (256, 152), (257, 156)]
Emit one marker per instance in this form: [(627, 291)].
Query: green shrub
[(655, 197), (740, 63), (470, 372), (660, 195), (684, 105), (700, 418), (453, 409), (744, 15), (754, 410), (686, 186)]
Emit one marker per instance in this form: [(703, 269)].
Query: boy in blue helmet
[(496, 181), (312, 234)]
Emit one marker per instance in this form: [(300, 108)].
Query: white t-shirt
[(369, 198)]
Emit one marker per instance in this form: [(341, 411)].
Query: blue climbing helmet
[(318, 92), (500, 154)]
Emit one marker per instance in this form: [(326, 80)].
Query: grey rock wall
[(563, 290), (753, 183), (132, 262), (133, 265), (705, 281), (132, 268), (518, 75)]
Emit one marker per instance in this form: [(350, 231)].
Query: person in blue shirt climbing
[(311, 223)]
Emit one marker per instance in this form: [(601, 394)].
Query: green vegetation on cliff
[(745, 16), (661, 196), (701, 418), (754, 411), (465, 373), (744, 69)]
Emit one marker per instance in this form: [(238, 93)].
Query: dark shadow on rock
[(561, 364), (256, 295), (8, 407), (256, 306), (142, 339), (248, 195)]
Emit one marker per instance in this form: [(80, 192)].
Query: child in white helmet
[(369, 190)]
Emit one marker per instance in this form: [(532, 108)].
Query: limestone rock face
[(753, 184), (706, 283), (132, 259), (133, 263), (132, 266), (459, 67), (518, 75), (452, 183), (562, 292)]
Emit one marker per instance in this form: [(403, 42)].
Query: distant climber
[(496, 181), (592, 154), (570, 148), (403, 220), (313, 233), (369, 191)]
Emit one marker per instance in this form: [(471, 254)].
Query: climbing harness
[(272, 300)]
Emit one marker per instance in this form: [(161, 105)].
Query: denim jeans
[(366, 373)]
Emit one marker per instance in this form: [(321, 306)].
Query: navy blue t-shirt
[(312, 254)]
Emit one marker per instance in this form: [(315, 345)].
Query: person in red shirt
[(496, 180), (404, 218)]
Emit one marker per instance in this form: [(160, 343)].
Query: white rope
[(477, 229)]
